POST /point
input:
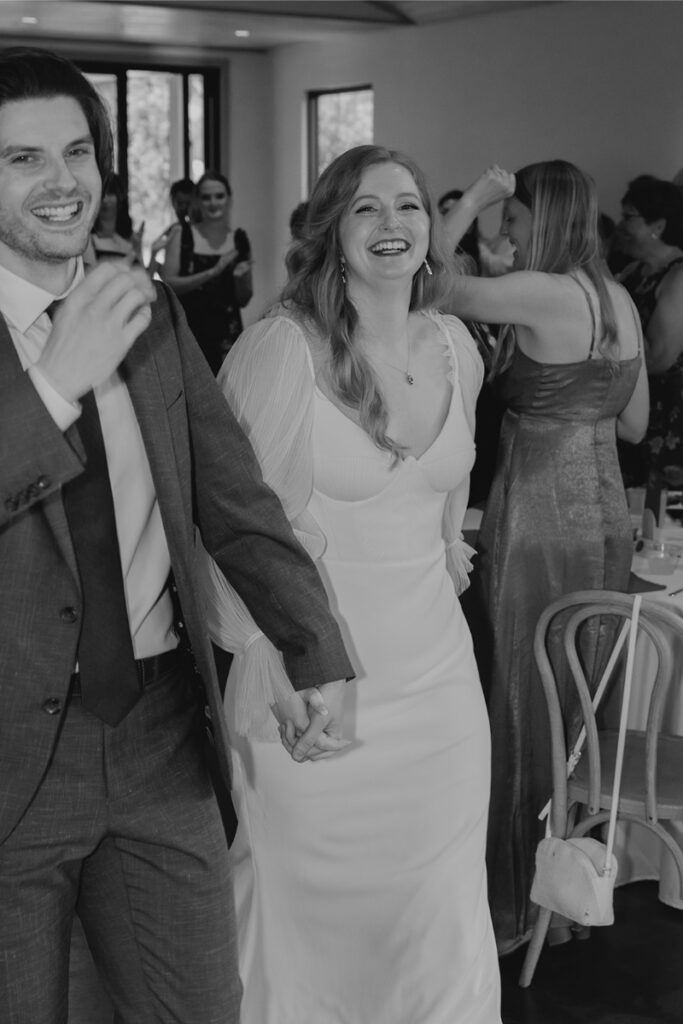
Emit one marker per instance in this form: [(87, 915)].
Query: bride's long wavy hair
[(563, 203), (315, 290)]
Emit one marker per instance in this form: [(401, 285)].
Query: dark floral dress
[(213, 310), (659, 457)]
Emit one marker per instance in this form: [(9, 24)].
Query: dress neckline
[(593, 361), (451, 377), (402, 459)]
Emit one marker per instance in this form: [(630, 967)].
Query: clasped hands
[(310, 722)]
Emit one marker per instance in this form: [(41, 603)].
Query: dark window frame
[(211, 75)]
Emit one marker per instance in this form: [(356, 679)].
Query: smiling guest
[(651, 233), (212, 277), (361, 893), (571, 371)]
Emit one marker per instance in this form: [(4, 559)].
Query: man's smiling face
[(50, 185)]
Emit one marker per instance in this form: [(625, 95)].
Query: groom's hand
[(321, 734)]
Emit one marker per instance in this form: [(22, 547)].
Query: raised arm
[(523, 297), (491, 187)]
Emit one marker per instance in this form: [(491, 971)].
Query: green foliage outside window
[(344, 119)]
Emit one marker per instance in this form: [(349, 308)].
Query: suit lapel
[(149, 372), (52, 507), (152, 374)]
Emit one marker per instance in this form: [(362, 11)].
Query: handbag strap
[(575, 754), (621, 742), (577, 749)]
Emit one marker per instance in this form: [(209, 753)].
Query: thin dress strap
[(592, 313), (637, 322)]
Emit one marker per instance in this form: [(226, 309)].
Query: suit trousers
[(124, 831)]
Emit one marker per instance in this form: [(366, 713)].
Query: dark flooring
[(629, 973)]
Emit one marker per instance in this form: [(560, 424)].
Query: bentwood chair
[(652, 776)]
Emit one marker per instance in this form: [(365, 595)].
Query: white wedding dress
[(360, 880)]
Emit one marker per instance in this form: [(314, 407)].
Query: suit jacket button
[(43, 482), (52, 706), (68, 615)]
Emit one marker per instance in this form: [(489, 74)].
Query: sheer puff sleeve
[(268, 381), (468, 374)]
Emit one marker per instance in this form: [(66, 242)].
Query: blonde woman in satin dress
[(571, 374), (359, 875)]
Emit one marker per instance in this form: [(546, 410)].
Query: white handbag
[(575, 877)]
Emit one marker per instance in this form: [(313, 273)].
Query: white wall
[(247, 159), (598, 83)]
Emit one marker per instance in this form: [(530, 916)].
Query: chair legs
[(535, 946)]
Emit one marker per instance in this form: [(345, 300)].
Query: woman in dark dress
[(212, 278), (571, 374), (651, 233)]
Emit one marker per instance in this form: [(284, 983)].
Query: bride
[(359, 878)]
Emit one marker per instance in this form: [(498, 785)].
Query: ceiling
[(213, 25)]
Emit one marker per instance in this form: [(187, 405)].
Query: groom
[(115, 445)]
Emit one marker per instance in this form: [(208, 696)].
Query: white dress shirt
[(145, 559)]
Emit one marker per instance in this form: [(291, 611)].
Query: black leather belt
[(148, 669)]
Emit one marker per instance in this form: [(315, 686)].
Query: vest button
[(68, 615), (52, 706), (43, 482)]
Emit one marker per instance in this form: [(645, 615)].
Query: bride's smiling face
[(384, 233)]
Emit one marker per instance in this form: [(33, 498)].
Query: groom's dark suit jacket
[(205, 473)]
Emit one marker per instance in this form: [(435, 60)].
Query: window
[(337, 120), (165, 128)]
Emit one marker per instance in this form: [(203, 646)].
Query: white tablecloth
[(639, 852)]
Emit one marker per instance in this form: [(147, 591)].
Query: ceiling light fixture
[(26, 20), (243, 33)]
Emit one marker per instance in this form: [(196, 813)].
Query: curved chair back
[(576, 609), (558, 632)]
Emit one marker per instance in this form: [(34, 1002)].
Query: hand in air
[(95, 326), (310, 722), (494, 185)]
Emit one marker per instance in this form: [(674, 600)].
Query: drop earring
[(342, 270), (428, 269)]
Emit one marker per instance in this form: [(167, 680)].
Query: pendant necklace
[(407, 375)]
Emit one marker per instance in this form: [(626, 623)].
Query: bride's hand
[(310, 722)]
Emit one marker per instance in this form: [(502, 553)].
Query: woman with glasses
[(651, 233)]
